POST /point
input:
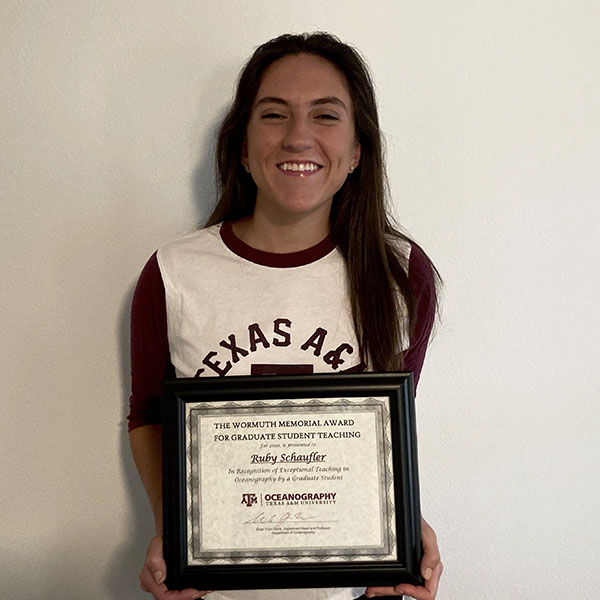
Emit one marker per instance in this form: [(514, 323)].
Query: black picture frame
[(224, 396)]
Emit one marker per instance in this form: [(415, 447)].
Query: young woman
[(298, 270)]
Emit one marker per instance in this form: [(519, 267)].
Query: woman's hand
[(431, 569), (153, 574)]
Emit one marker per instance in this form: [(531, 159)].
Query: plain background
[(491, 115)]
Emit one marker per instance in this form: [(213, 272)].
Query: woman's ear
[(244, 154), (355, 158), (356, 154)]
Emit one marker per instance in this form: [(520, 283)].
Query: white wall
[(492, 116)]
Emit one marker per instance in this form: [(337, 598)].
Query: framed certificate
[(290, 481)]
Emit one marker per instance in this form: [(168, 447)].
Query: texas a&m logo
[(249, 499)]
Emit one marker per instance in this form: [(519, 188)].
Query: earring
[(351, 169), (247, 168)]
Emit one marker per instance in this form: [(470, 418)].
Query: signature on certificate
[(277, 520)]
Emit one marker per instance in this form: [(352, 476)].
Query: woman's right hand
[(153, 574)]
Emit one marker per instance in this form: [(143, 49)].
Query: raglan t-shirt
[(209, 305)]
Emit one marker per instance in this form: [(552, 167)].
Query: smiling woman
[(298, 270)]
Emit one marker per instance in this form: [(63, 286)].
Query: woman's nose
[(298, 136)]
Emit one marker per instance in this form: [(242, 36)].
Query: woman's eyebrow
[(315, 102), (329, 100), (271, 100)]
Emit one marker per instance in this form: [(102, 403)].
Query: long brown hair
[(380, 296)]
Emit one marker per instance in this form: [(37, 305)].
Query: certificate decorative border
[(315, 406), (395, 560)]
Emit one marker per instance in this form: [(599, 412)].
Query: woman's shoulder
[(413, 258), (401, 245), (193, 242), (420, 266), (422, 274)]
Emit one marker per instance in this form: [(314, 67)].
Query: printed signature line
[(306, 522)]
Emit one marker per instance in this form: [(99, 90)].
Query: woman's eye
[(272, 116), (327, 117)]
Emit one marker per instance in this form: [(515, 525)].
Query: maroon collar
[(273, 259)]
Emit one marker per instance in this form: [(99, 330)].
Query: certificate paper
[(291, 480)]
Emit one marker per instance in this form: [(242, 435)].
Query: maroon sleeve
[(150, 358), (422, 282)]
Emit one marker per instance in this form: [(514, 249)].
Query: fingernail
[(158, 576), (196, 597), (428, 573)]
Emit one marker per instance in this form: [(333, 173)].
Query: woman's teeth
[(298, 166)]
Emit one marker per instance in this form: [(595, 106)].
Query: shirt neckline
[(274, 259)]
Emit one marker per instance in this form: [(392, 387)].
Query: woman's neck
[(280, 237)]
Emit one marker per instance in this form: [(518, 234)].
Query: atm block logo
[(249, 499)]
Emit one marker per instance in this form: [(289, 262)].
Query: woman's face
[(300, 142)]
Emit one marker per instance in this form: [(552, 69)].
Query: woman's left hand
[(431, 569)]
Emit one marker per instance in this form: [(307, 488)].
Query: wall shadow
[(204, 176), (121, 578)]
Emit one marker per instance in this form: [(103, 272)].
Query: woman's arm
[(150, 364), (146, 447), (423, 284)]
